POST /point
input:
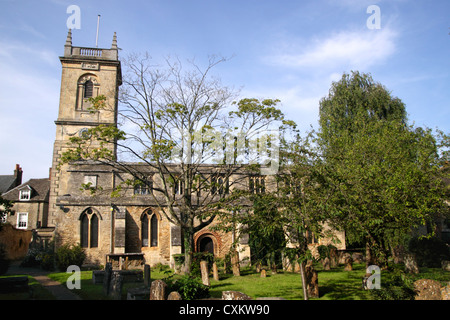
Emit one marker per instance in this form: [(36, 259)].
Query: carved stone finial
[(69, 38), (114, 42)]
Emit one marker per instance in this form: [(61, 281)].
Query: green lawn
[(335, 284)]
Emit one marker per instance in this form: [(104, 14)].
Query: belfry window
[(88, 89)]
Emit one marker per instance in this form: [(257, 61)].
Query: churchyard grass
[(334, 284)]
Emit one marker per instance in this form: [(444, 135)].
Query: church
[(129, 229)]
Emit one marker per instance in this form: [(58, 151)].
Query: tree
[(380, 177), (5, 208), (182, 125)]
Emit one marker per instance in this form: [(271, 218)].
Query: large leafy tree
[(180, 122), (380, 177)]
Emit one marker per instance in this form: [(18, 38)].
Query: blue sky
[(290, 50)]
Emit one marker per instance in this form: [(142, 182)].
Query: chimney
[(18, 175)]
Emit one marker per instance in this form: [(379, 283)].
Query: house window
[(25, 194), (257, 184), (149, 229), (88, 89), (22, 220), (89, 229)]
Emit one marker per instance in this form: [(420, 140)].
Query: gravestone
[(333, 257), (427, 289), (234, 295), (445, 265), (174, 296), (107, 278), (115, 290), (147, 274), (348, 263), (158, 290), (326, 263), (215, 272), (205, 272), (263, 273), (411, 264), (445, 292), (358, 257)]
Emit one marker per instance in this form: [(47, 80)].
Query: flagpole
[(96, 38)]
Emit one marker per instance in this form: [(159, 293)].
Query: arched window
[(94, 231), (84, 231), (144, 230), (88, 89), (149, 229), (89, 224), (154, 230)]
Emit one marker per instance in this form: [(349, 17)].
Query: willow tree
[(184, 125)]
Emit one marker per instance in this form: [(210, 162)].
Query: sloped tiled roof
[(40, 187), (6, 182)]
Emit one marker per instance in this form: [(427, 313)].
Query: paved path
[(59, 290)]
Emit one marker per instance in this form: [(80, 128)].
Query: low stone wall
[(129, 276)]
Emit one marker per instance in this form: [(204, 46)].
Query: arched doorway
[(206, 245)]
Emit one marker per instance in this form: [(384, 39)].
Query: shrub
[(429, 252), (67, 255), (190, 288), (395, 285)]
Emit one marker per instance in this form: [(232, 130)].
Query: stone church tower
[(131, 228), (86, 73)]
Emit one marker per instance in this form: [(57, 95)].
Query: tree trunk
[(188, 250), (304, 284)]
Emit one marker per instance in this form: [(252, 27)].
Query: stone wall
[(15, 242)]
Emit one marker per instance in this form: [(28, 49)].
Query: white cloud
[(346, 49)]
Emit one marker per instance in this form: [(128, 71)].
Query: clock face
[(84, 133)]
